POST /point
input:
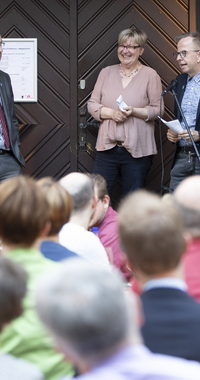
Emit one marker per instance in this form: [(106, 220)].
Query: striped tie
[(4, 128)]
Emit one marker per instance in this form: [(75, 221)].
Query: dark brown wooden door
[(76, 39), (44, 126)]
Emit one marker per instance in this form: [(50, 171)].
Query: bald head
[(188, 192), (187, 200), (80, 187)]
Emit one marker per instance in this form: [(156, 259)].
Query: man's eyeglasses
[(128, 47), (2, 44), (183, 53)]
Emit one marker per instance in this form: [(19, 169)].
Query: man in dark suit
[(185, 161), (151, 234), (11, 158)]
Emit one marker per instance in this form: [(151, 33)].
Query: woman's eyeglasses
[(128, 47)]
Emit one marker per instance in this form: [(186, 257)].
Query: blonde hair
[(139, 36), (60, 203)]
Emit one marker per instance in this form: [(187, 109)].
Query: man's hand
[(185, 135), (172, 136)]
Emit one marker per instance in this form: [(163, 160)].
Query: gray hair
[(81, 189), (186, 198), (13, 279), (190, 218), (195, 35), (86, 308)]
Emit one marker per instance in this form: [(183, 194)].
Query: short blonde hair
[(139, 36), (60, 203)]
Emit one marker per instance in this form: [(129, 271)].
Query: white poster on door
[(19, 60)]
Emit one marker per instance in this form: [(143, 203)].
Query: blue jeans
[(118, 162)]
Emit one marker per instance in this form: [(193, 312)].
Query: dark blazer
[(6, 94), (180, 89), (172, 323)]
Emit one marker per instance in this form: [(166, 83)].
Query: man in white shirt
[(74, 235)]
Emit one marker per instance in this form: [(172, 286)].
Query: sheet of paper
[(121, 103), (174, 125)]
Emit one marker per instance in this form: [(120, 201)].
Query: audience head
[(187, 200), (100, 188), (86, 309), (60, 203), (151, 233), (24, 211), (81, 188), (12, 290)]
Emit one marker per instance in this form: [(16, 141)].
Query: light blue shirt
[(165, 282), (189, 104), (139, 363)]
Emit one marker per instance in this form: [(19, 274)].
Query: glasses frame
[(182, 53), (128, 47), (2, 44)]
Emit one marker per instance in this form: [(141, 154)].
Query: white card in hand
[(121, 103)]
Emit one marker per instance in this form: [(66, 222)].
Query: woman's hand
[(129, 110), (119, 116), (116, 115), (140, 113)]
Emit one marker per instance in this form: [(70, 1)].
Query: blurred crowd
[(120, 305)]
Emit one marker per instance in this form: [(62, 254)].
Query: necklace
[(128, 75)]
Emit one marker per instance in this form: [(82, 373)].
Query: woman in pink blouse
[(126, 144)]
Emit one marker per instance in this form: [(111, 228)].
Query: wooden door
[(76, 39)]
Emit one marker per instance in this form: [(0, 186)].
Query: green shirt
[(26, 337)]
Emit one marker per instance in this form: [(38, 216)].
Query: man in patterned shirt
[(185, 161)]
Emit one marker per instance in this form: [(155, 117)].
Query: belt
[(187, 149), (3, 151), (119, 143)]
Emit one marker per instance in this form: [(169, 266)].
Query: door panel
[(49, 129)]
